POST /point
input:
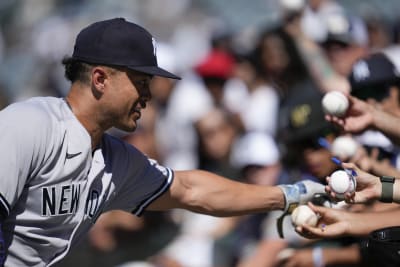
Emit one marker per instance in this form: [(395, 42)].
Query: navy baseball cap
[(372, 76), (303, 116), (118, 42)]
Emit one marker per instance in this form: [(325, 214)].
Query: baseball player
[(59, 170)]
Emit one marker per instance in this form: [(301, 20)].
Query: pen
[(339, 163)]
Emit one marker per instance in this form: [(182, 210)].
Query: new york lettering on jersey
[(64, 199)]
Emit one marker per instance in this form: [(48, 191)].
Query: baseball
[(341, 182), (344, 147), (304, 215), (335, 103)]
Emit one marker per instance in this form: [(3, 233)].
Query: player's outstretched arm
[(208, 193)]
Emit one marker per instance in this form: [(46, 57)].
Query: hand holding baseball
[(332, 223), (342, 182), (358, 117), (367, 187)]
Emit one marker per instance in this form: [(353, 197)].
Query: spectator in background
[(279, 60), (178, 105), (192, 247), (306, 24), (214, 70), (257, 109), (378, 28), (283, 66), (346, 41), (257, 156), (171, 146), (396, 32), (216, 134), (375, 79), (308, 160)]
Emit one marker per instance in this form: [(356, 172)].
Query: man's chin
[(127, 128)]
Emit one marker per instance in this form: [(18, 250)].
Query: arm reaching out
[(361, 116), (369, 187), (208, 193)]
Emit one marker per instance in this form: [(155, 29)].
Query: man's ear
[(99, 76)]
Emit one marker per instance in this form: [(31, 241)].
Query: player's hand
[(368, 186), (300, 193), (359, 116), (332, 223)]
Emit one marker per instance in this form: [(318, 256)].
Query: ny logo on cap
[(154, 45), (361, 71)]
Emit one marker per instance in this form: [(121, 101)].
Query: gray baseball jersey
[(53, 186)]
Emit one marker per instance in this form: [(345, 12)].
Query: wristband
[(387, 189), (318, 258)]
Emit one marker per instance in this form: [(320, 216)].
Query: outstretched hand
[(332, 223), (357, 118), (368, 186)]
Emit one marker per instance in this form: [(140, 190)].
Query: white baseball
[(341, 182), (304, 215), (335, 103), (344, 147)]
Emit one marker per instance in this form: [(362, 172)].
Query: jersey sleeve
[(23, 133), (163, 179), (138, 179)]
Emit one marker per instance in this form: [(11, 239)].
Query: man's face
[(318, 162), (127, 96), (317, 159)]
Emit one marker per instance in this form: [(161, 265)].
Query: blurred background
[(39, 33), (248, 108)]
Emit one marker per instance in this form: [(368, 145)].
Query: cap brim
[(155, 71)]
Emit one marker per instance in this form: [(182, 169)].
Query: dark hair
[(76, 70), (295, 72)]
